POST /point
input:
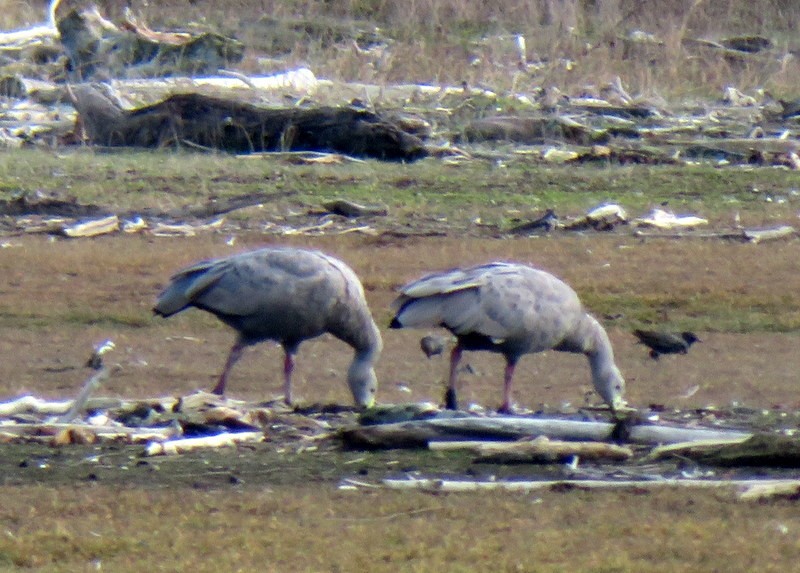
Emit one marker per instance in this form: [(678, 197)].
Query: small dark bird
[(547, 223), (666, 342), (432, 345), (513, 310), (284, 294)]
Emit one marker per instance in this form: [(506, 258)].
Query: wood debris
[(760, 235), (602, 218), (420, 433), (539, 450), (183, 229), (183, 445), (765, 491), (663, 219), (44, 432), (442, 485), (92, 228)]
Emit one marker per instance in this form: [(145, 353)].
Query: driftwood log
[(214, 123), (183, 445), (419, 433), (539, 450), (440, 485)]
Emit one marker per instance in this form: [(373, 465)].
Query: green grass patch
[(166, 181)]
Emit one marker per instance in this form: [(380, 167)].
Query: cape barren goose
[(287, 295), (666, 342), (511, 309)]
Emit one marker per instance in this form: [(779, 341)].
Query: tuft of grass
[(574, 44)]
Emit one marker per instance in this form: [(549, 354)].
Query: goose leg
[(508, 377), (288, 368), (233, 356), (450, 396)]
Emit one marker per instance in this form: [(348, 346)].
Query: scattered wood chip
[(39, 225), (602, 218), (184, 229), (309, 229), (74, 436), (767, 491), (760, 235), (93, 228), (134, 226), (554, 155), (662, 219)]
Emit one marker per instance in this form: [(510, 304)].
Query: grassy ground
[(307, 528), (265, 509), (102, 508), (499, 195)]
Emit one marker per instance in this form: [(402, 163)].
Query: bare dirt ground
[(62, 297)]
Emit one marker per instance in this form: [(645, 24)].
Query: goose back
[(278, 293), (515, 308)]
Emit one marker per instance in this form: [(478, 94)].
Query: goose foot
[(450, 399)]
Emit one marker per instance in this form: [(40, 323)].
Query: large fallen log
[(214, 123), (419, 433)]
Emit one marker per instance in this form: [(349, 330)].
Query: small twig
[(390, 516), (197, 146), (236, 75), (90, 386)]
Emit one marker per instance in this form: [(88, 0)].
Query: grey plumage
[(287, 295), (666, 342), (512, 309)]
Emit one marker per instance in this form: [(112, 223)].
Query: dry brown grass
[(469, 40), (306, 528)]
